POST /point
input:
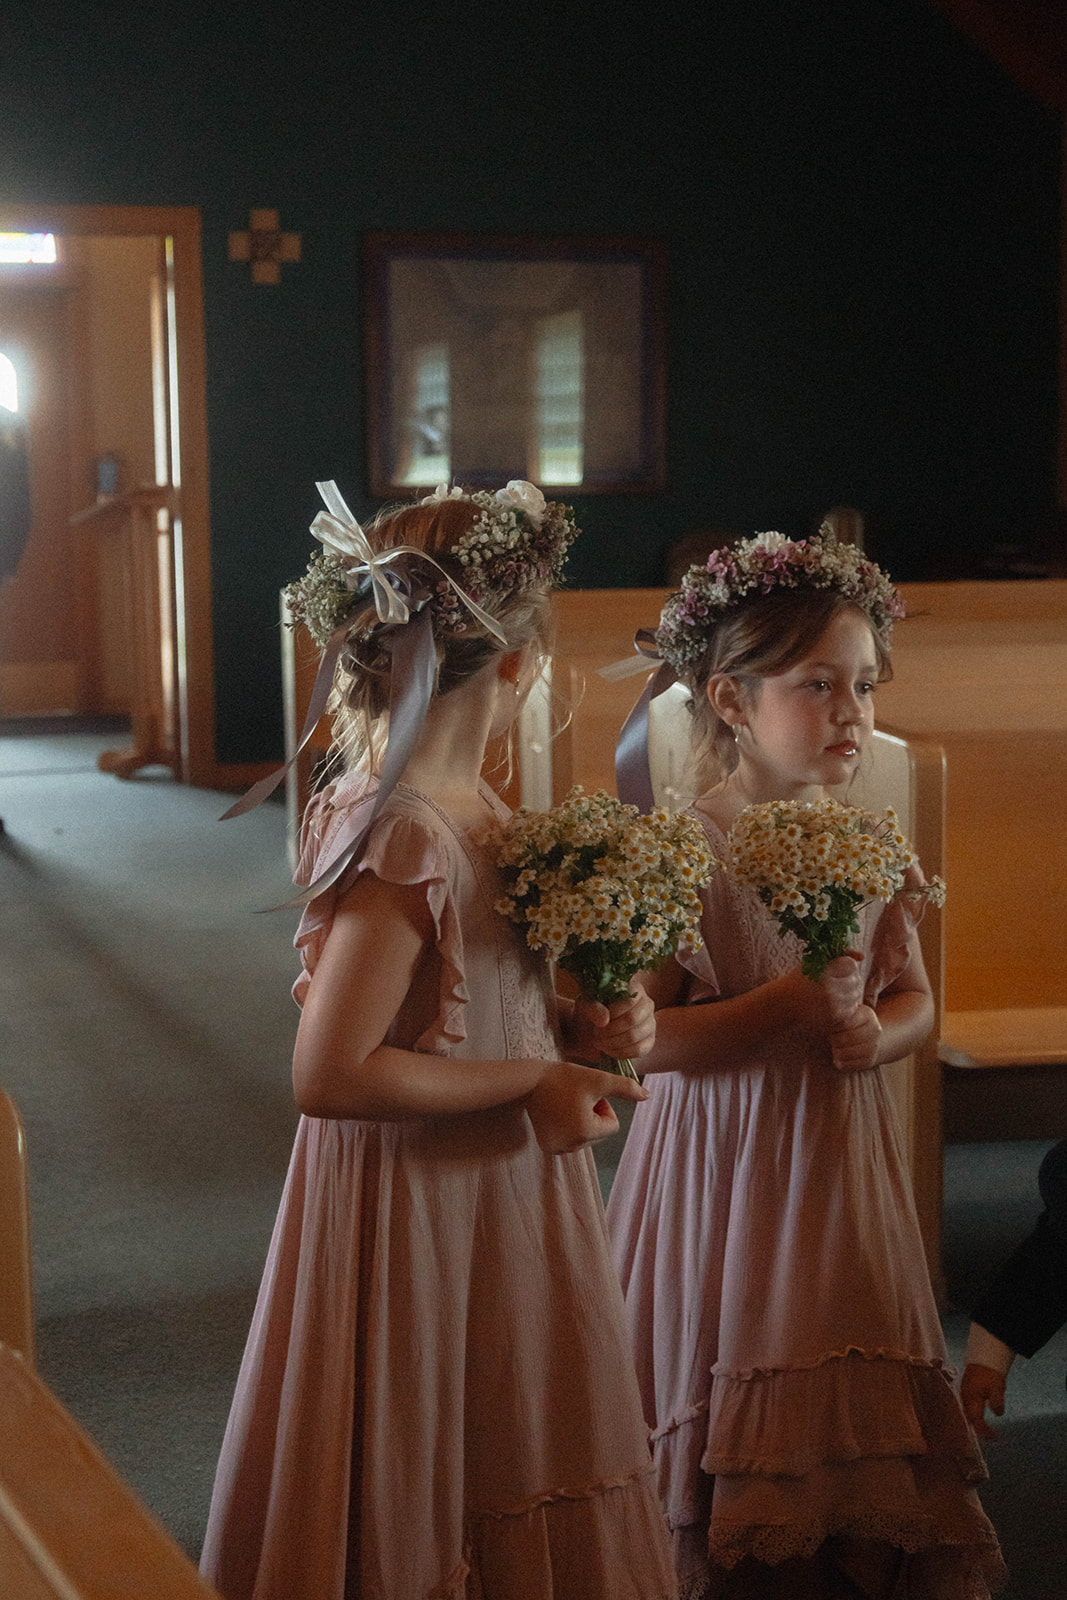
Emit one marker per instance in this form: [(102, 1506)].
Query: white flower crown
[(518, 541)]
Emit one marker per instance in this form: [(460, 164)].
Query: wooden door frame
[(196, 670)]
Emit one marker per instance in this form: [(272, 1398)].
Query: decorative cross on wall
[(265, 245)]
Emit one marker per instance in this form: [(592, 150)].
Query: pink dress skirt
[(788, 1347), (437, 1398)]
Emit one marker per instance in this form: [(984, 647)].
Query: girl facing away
[(806, 1435), (437, 1400)]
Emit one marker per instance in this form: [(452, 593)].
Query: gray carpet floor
[(145, 1033)]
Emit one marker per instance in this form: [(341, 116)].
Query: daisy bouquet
[(603, 890), (814, 864)]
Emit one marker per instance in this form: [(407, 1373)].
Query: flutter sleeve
[(403, 849), (892, 945)]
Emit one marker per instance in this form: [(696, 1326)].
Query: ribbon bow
[(633, 774), (396, 600), (338, 529)]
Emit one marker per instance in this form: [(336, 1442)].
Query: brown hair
[(361, 686), (759, 639)]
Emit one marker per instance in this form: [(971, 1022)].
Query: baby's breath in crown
[(758, 565), (518, 541)]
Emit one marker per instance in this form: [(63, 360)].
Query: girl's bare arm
[(342, 1068)]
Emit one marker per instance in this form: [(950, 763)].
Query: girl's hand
[(854, 1046), (823, 1004), (625, 1030), (569, 1107), (981, 1387)]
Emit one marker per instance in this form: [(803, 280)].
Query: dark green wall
[(861, 214)]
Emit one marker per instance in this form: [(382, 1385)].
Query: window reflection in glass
[(560, 367), (428, 422)]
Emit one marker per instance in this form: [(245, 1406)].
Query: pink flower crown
[(759, 565)]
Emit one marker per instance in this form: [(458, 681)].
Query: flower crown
[(759, 565), (517, 541)]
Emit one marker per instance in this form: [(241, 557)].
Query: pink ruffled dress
[(788, 1347), (437, 1398)]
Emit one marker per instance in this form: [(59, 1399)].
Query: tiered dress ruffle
[(788, 1348), (437, 1399)]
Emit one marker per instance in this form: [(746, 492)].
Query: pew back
[(70, 1529)]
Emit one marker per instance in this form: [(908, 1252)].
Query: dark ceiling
[(1028, 38)]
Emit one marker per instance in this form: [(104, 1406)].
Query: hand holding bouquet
[(603, 890), (814, 864)]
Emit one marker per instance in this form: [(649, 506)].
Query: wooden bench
[(16, 1273), (70, 1529), (983, 669)]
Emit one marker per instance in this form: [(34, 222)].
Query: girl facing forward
[(807, 1438), (437, 1400)]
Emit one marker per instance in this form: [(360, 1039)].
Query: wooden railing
[(70, 1529), (144, 613)]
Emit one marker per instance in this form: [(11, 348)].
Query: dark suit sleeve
[(1027, 1301), (16, 511)]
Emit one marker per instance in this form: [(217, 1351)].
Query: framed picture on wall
[(497, 357)]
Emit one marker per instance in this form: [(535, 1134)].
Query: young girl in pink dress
[(807, 1438), (437, 1400)]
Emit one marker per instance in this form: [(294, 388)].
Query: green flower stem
[(606, 991), (622, 1067)]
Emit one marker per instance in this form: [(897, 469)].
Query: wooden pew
[(70, 1529), (983, 668), (16, 1272)]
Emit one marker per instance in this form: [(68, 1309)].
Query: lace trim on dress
[(910, 1532), (953, 1572)]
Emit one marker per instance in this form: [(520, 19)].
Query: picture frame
[(492, 357)]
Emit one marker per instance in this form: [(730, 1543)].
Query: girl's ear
[(510, 665), (724, 697)]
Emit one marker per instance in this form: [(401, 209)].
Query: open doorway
[(101, 349)]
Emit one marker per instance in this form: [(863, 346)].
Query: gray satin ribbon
[(633, 772), (320, 693), (411, 690), (398, 595)]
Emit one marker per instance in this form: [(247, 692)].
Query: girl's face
[(806, 729)]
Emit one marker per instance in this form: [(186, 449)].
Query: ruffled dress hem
[(864, 1445), (519, 1554)]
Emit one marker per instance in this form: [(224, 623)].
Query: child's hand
[(823, 1004), (981, 1387), (625, 1030), (854, 1046), (569, 1107)]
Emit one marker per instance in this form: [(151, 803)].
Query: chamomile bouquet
[(603, 890), (815, 864)]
